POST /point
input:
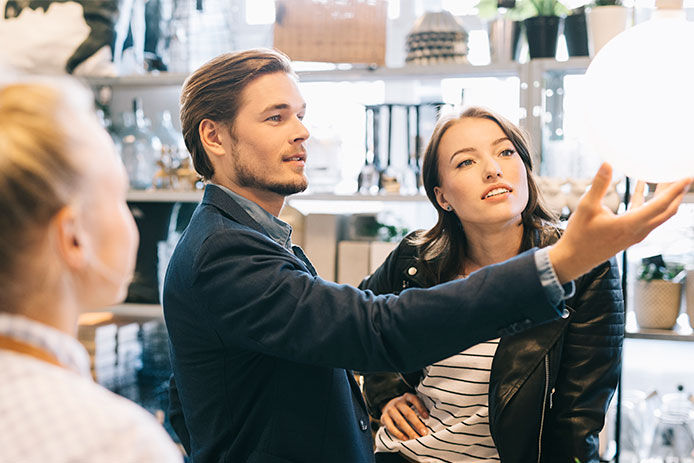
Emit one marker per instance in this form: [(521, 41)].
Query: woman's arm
[(589, 370)]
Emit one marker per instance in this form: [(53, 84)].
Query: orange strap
[(8, 343)]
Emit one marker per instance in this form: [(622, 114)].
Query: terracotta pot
[(604, 22), (657, 303)]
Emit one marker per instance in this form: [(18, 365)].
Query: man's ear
[(212, 135), (68, 239)]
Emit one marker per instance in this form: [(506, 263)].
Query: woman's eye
[(508, 152), (275, 118), (465, 163)]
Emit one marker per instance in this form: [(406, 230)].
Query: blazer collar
[(218, 198)]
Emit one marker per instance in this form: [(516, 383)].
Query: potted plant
[(542, 26), (605, 19), (576, 32), (658, 293)]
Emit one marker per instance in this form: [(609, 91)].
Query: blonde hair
[(39, 127)]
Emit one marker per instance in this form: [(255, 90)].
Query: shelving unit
[(336, 75), (136, 310), (170, 196)]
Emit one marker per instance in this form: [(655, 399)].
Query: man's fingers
[(637, 198), (391, 427), (660, 208), (601, 182)]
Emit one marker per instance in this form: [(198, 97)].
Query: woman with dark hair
[(537, 396)]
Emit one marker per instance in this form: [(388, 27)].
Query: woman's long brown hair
[(443, 247)]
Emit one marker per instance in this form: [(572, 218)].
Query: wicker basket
[(337, 31), (657, 303), (689, 299)]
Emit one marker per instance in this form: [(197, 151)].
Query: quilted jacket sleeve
[(590, 366)]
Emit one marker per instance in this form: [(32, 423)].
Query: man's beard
[(248, 179)]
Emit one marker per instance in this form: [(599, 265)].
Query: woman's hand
[(401, 420)]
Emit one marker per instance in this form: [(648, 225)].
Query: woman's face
[(110, 237), (482, 176)]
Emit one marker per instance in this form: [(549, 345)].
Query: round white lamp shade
[(639, 109)]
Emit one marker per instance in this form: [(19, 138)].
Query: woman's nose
[(492, 170)]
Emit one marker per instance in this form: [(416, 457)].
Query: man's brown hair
[(214, 92)]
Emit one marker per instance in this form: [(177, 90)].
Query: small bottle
[(141, 148)]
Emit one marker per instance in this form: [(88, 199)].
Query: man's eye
[(275, 118)]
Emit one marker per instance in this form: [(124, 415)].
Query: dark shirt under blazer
[(261, 347)]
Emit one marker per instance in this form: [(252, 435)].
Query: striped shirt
[(455, 391)]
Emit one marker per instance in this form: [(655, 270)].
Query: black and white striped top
[(455, 393)]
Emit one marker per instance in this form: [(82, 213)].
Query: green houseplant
[(658, 293)]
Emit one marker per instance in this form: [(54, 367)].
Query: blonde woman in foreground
[(67, 245)]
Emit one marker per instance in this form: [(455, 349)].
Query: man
[(261, 346)]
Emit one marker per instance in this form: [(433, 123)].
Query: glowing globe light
[(639, 109)]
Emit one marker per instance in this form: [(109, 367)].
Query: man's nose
[(302, 134)]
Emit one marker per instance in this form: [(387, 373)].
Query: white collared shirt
[(49, 413)]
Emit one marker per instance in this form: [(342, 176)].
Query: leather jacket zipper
[(544, 404)]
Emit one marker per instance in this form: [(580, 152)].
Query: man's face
[(267, 139)]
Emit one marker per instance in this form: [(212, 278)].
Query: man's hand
[(594, 233), (401, 420)]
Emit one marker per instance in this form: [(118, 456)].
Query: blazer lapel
[(218, 198)]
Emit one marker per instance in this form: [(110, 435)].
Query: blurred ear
[(440, 198), (68, 237), (212, 135)]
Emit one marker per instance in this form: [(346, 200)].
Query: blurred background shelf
[(136, 310), (681, 332), (169, 196)]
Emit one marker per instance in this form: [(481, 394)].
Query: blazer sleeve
[(381, 387), (259, 297), (589, 368)]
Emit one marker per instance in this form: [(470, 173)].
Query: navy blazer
[(261, 346)]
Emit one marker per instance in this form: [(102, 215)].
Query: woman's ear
[(211, 136), (68, 237), (441, 199)]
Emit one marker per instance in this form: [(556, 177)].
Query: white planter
[(604, 22), (657, 303)]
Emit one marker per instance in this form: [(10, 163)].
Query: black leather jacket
[(550, 386)]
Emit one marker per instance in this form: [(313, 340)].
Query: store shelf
[(410, 72), (167, 196), (413, 72), (161, 79), (136, 310), (681, 332), (164, 196)]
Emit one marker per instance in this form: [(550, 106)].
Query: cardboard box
[(352, 261)]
